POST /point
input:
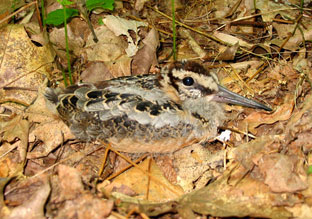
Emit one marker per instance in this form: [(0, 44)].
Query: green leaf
[(100, 21), (105, 4), (56, 17), (310, 170), (65, 2)]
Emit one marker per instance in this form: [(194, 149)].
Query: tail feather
[(51, 95)]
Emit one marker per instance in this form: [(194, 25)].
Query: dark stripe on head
[(173, 80), (204, 91), (189, 66)]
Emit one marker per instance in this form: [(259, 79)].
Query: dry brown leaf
[(110, 50), (247, 152), (18, 127), (70, 183), (8, 165), (75, 40), (283, 173), (228, 53), (48, 127), (282, 113), (77, 202), (138, 181), (301, 211), (232, 40), (108, 188), (301, 120), (298, 129), (165, 163), (248, 198), (194, 166), (4, 210), (270, 9), (146, 56), (23, 64), (96, 71), (192, 43), (121, 26), (34, 206), (296, 39), (139, 4), (53, 134)]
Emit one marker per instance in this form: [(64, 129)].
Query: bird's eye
[(188, 81)]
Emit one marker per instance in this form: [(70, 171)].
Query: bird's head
[(190, 80)]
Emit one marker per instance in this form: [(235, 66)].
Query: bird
[(151, 113)]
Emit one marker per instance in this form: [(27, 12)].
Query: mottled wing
[(136, 104)]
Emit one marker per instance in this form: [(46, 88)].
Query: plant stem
[(65, 78), (43, 14), (67, 48), (174, 49)]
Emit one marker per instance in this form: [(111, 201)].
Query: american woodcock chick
[(154, 113)]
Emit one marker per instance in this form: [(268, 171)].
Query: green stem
[(43, 14), (174, 49), (65, 78), (67, 48)]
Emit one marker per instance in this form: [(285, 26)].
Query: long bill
[(226, 96)]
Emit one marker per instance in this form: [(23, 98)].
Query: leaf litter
[(266, 56)]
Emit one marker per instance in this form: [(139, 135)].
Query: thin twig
[(146, 173), (18, 11), (23, 75), (191, 28), (104, 159), (126, 168)]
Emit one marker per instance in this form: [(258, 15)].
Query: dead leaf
[(192, 43), (121, 26), (23, 64), (52, 137), (34, 206), (146, 56), (110, 50), (232, 40), (248, 197), (70, 183), (76, 202), (283, 173), (228, 53), (75, 40), (18, 127), (301, 211), (194, 166), (139, 4), (138, 182), (282, 113), (96, 71), (275, 8)]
